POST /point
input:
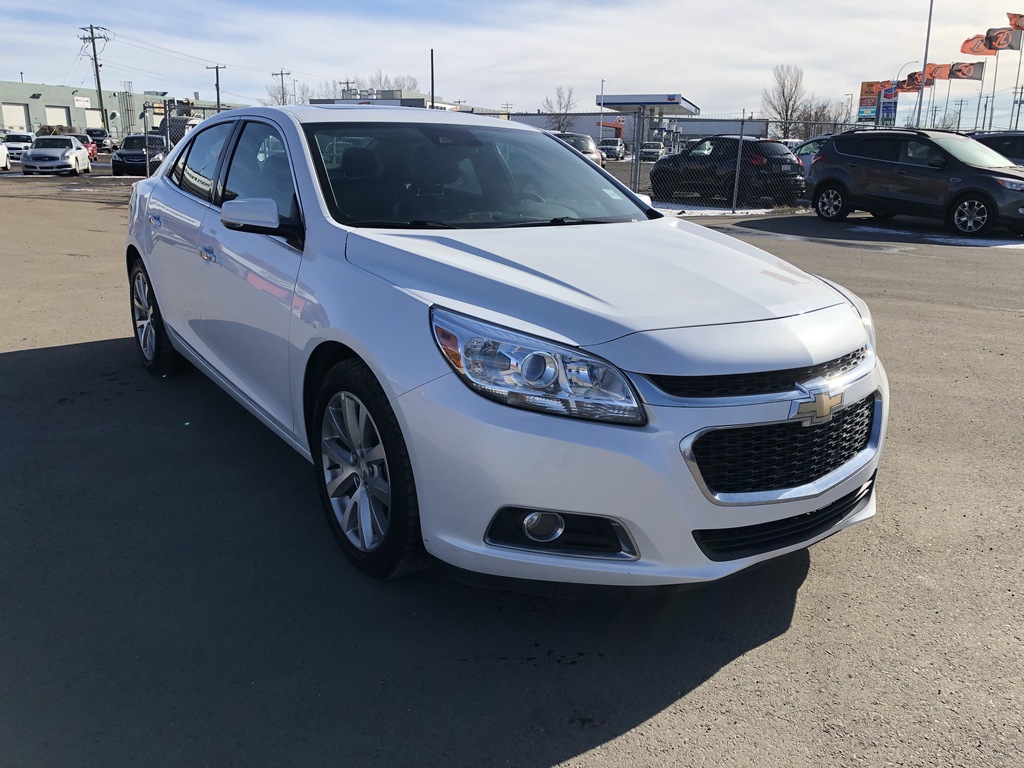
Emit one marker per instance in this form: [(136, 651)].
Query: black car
[(1009, 144), (130, 159), (767, 169), (917, 172)]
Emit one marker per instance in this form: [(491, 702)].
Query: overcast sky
[(718, 55)]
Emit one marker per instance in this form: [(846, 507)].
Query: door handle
[(156, 221), (207, 254)]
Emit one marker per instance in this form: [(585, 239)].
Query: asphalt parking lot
[(170, 593)]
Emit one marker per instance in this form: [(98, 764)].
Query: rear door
[(871, 168)]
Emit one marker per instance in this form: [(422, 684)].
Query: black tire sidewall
[(164, 357)]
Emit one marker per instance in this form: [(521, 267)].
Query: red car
[(87, 142)]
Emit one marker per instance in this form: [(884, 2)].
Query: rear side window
[(772, 148), (201, 163), (845, 144), (879, 148)]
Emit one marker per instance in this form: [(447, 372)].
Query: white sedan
[(497, 356), (5, 158), (56, 154)]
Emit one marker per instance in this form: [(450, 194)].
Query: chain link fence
[(697, 162)]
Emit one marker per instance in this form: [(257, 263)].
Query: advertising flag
[(976, 45), (914, 80), (966, 70), (904, 86), (939, 71), (1016, 20), (1003, 39)]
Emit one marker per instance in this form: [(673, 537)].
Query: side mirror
[(259, 216)]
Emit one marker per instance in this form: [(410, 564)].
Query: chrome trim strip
[(810, 490), (651, 395)]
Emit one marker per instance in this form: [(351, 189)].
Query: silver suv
[(614, 149)]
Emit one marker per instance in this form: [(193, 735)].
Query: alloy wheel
[(970, 216), (356, 472), (142, 313)]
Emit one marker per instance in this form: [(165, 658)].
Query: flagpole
[(945, 109), (924, 63), (1016, 84), (995, 76)]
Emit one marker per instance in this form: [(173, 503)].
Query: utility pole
[(284, 93), (91, 38), (218, 67), (960, 104)]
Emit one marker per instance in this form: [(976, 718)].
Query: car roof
[(356, 113)]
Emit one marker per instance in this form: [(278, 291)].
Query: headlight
[(157, 158), (526, 372), (1013, 186)]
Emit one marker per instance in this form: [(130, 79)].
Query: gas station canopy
[(658, 103)]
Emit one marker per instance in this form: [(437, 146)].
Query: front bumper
[(47, 166), (473, 458)]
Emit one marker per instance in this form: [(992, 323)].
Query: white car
[(5, 158), (56, 154), (17, 143), (497, 356)]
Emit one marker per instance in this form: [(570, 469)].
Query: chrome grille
[(773, 457), (750, 384)]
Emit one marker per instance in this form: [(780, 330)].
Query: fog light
[(543, 526)]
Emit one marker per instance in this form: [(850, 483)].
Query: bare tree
[(785, 98), (818, 117), (560, 110), (276, 94)]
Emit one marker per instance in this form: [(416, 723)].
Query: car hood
[(589, 284)]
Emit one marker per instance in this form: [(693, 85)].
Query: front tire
[(972, 216), (831, 203), (364, 474), (151, 342)]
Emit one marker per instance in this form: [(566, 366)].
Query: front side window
[(260, 169), (201, 161)]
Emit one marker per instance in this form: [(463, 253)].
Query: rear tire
[(364, 474), (151, 342), (831, 203)]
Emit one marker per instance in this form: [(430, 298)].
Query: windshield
[(972, 152), (52, 142), (652, 145), (429, 175), (19, 138), (139, 142)]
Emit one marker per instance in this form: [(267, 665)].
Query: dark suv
[(708, 168), (1009, 144), (931, 173)]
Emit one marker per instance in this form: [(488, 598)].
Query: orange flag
[(976, 45)]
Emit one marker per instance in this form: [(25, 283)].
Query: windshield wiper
[(414, 224), (558, 221)]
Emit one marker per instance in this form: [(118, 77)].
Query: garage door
[(15, 117), (93, 118), (58, 116)]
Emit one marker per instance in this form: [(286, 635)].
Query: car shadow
[(172, 595), (864, 228)]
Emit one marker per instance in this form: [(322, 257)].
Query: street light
[(896, 83)]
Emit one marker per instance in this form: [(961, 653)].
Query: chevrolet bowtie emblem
[(818, 409)]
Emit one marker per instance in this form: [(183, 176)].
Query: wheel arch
[(325, 356)]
